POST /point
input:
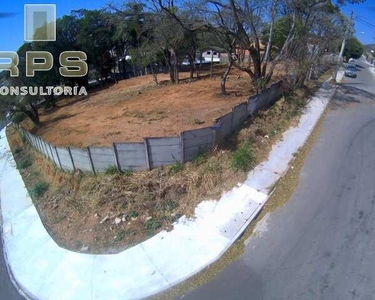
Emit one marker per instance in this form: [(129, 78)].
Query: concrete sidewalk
[(45, 271)]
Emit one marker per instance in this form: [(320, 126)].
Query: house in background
[(212, 53)]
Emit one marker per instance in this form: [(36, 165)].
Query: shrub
[(18, 150), (243, 158), (111, 170), (18, 117), (24, 163), (39, 189)]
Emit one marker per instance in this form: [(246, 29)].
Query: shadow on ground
[(350, 93)]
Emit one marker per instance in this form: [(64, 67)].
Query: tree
[(27, 105), (95, 39), (354, 48)]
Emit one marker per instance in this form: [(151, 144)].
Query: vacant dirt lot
[(137, 108), (80, 210)]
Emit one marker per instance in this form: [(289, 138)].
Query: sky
[(12, 30), (364, 18)]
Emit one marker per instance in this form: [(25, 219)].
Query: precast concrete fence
[(154, 152)]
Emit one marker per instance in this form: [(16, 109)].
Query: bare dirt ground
[(136, 108)]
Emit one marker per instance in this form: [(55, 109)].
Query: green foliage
[(120, 235), (201, 157), (353, 48), (178, 167), (175, 217), (111, 170), (127, 173), (152, 225), (18, 150), (39, 189), (24, 163), (18, 117), (169, 205), (133, 214), (243, 158)]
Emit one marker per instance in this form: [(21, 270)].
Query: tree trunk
[(212, 63), (200, 66), (269, 43), (175, 66), (192, 66), (154, 74), (224, 78), (33, 114), (168, 61)]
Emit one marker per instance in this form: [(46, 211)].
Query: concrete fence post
[(71, 157), (91, 162), (147, 154), (182, 147), (116, 157), (50, 150), (58, 158), (40, 149)]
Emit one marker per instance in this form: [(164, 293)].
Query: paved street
[(7, 290), (321, 244)]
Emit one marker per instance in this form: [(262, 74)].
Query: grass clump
[(133, 214), (201, 158), (152, 225), (18, 150), (174, 169), (243, 158), (24, 163), (120, 235), (111, 170), (127, 173), (39, 189)]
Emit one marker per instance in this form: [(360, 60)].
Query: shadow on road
[(347, 93)]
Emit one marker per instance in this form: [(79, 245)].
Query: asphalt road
[(321, 244)]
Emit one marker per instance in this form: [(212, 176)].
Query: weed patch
[(39, 189), (24, 163), (111, 170), (152, 225), (174, 169), (243, 158)]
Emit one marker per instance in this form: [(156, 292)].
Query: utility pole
[(346, 36), (347, 32)]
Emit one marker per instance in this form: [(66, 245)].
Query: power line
[(365, 19), (364, 22)]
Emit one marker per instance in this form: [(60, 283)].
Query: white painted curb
[(46, 271)]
